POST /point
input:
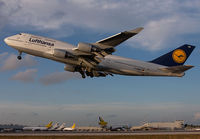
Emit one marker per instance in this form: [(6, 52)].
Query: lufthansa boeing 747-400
[(96, 59)]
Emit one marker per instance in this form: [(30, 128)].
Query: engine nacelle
[(86, 47), (62, 53), (70, 68)]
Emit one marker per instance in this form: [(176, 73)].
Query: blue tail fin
[(176, 57)]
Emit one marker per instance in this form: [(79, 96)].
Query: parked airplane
[(61, 127), (104, 125), (96, 59), (70, 128), (39, 128), (54, 127)]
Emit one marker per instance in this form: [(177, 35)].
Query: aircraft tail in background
[(61, 127), (49, 125), (70, 128), (73, 126), (102, 123)]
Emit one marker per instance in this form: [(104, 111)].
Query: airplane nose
[(6, 40)]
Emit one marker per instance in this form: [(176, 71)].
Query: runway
[(103, 135), (57, 133)]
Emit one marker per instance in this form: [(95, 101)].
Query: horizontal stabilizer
[(177, 69)]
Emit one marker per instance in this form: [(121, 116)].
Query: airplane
[(104, 125), (70, 128), (96, 59), (54, 127), (61, 127), (39, 128)]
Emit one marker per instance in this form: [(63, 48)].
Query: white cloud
[(11, 62), (88, 13), (25, 76), (164, 21), (58, 77), (158, 33)]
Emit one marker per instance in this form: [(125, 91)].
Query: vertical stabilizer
[(49, 125), (102, 123), (176, 57), (73, 126)]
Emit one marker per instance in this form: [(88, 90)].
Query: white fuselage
[(44, 47), (68, 129), (35, 128)]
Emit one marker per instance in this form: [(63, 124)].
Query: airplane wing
[(106, 46), (116, 39), (92, 53)]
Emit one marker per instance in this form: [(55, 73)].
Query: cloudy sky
[(35, 90)]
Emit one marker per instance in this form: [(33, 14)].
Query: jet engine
[(70, 68), (86, 47), (62, 53)]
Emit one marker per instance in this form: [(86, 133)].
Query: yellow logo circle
[(179, 56)]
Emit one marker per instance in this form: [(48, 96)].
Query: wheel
[(82, 73), (87, 73), (83, 76), (19, 57), (91, 74)]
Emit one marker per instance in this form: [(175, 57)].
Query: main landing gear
[(82, 73), (19, 57)]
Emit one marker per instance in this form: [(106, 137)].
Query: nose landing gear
[(19, 57)]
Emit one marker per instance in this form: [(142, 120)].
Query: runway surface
[(101, 133)]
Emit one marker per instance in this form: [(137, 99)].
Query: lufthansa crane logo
[(179, 56)]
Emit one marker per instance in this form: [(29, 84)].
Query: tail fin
[(49, 125), (101, 119), (176, 57), (73, 126), (102, 122), (61, 127)]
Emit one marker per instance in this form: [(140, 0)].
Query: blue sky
[(36, 90)]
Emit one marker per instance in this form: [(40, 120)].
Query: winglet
[(137, 30)]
